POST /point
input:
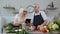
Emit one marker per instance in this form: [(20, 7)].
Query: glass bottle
[(23, 25), (20, 26), (59, 16)]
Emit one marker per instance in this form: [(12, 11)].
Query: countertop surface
[(33, 32)]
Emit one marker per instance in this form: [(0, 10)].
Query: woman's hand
[(31, 24), (15, 22)]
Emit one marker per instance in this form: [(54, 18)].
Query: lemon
[(50, 25)]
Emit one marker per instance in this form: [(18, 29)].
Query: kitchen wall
[(23, 3), (8, 13)]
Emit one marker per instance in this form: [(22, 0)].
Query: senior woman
[(21, 17)]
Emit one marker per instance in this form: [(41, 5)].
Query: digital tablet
[(27, 20)]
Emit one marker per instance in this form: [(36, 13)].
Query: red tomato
[(44, 31)]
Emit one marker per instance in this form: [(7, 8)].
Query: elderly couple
[(39, 17)]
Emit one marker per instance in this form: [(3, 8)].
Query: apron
[(38, 20)]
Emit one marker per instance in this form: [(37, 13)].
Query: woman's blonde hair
[(22, 10)]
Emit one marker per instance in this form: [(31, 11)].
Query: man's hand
[(45, 22), (40, 27)]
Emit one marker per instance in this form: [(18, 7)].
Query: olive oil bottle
[(20, 26)]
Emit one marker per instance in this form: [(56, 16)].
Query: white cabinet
[(1, 23)]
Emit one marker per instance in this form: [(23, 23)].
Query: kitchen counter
[(35, 32)]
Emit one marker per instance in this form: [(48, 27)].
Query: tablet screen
[(27, 20)]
